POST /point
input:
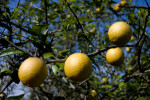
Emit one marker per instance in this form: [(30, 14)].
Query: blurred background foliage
[(48, 29)]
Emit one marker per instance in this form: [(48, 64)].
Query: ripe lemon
[(127, 49), (93, 93), (78, 67), (123, 3), (119, 33), (117, 8), (32, 72), (115, 56)]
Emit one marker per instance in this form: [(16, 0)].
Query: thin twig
[(134, 7), (37, 96), (37, 8), (45, 3), (18, 26), (80, 25), (54, 61), (18, 4), (126, 79), (147, 3), (12, 44), (146, 20), (91, 54), (104, 49), (6, 26), (10, 81), (139, 56)]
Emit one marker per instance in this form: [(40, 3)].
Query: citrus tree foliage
[(54, 29)]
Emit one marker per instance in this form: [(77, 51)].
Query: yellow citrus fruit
[(93, 93), (98, 10), (117, 8), (78, 67), (119, 33), (127, 49), (104, 79), (115, 56), (92, 32), (123, 3), (32, 72)]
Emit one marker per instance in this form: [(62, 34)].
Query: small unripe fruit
[(104, 79), (98, 10), (127, 49), (123, 3), (93, 93), (88, 11), (92, 32), (117, 8)]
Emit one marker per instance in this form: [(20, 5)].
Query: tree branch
[(10, 81), (126, 79), (45, 3), (80, 25), (134, 7), (147, 3), (146, 20), (18, 26), (12, 44), (55, 61), (6, 26), (91, 54)]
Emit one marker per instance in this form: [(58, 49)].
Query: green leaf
[(61, 66), (9, 51), (45, 32), (54, 69), (64, 52), (131, 16), (107, 86), (6, 70), (19, 97), (122, 85), (38, 29), (16, 10), (70, 0), (47, 55), (141, 98)]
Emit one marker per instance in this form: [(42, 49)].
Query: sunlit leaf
[(47, 55), (141, 98), (10, 51), (54, 69), (107, 86)]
